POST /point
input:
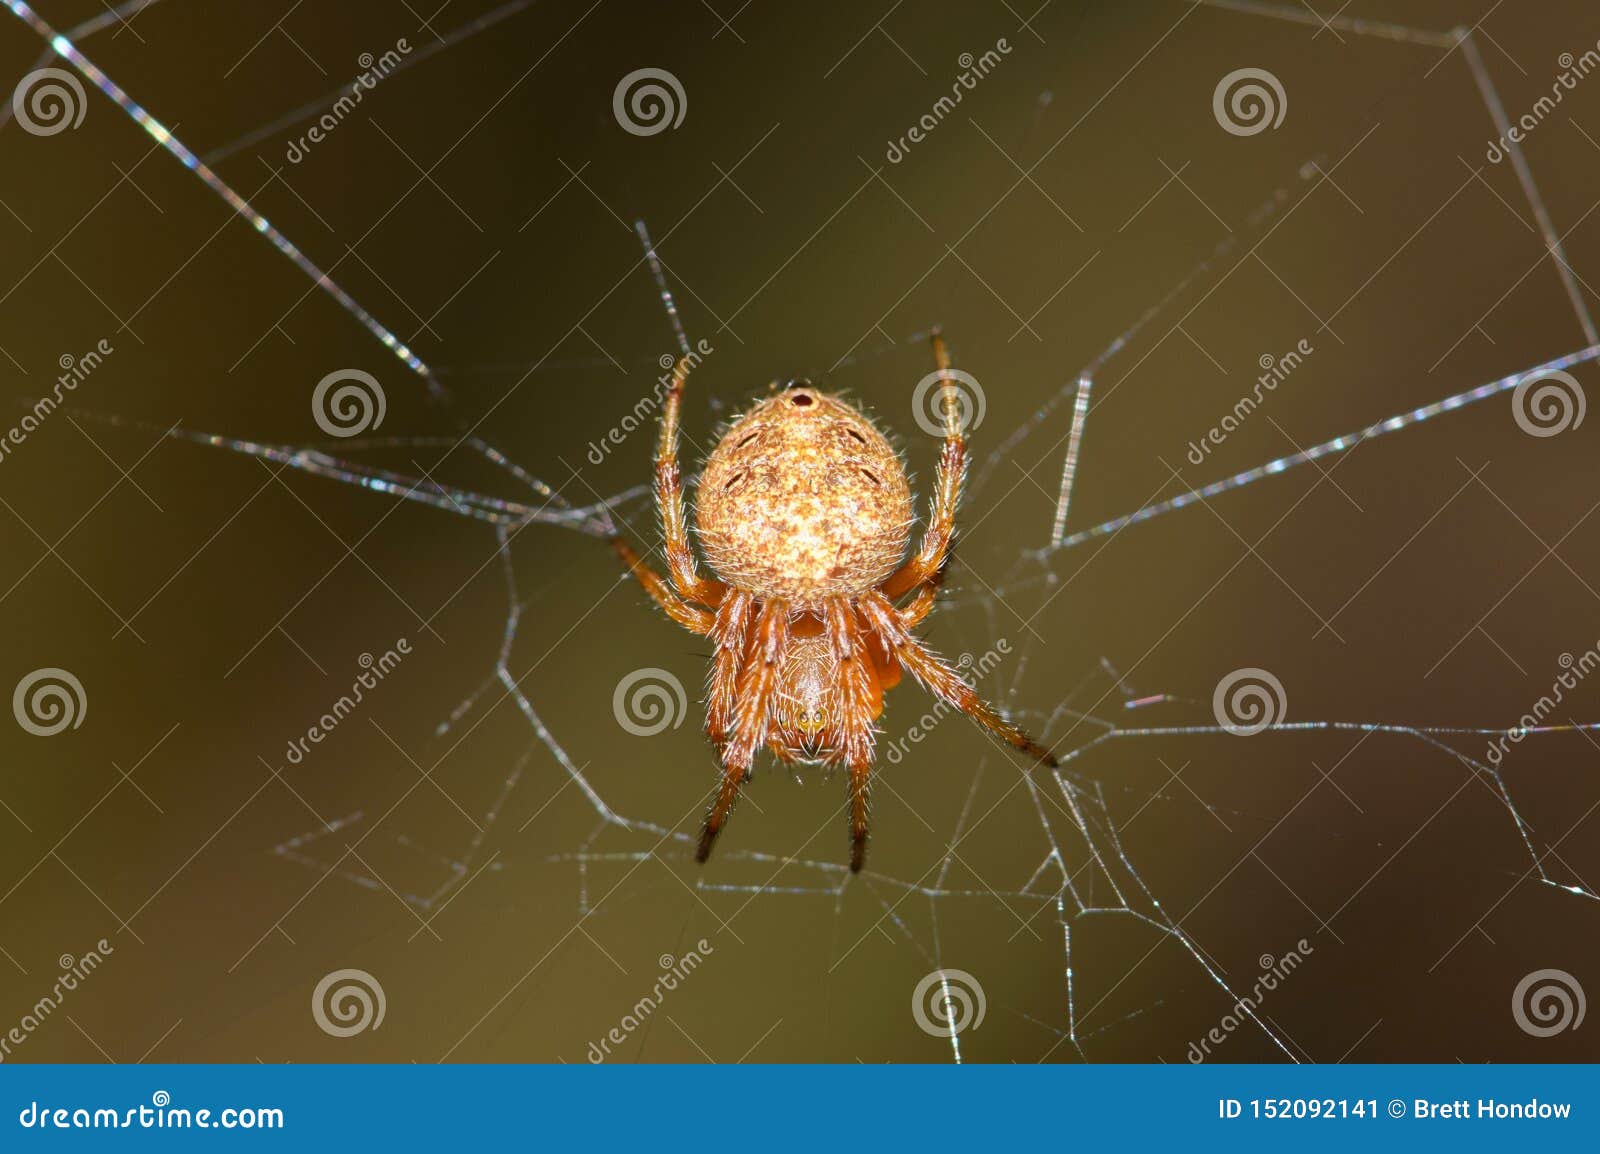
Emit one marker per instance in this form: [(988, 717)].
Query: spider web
[(1083, 872)]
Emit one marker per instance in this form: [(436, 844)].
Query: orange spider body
[(805, 515)]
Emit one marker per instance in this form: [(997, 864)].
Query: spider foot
[(858, 851)]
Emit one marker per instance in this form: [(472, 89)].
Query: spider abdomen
[(804, 499)]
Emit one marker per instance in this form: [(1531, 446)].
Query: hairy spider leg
[(691, 617), (915, 611), (669, 500), (860, 704), (757, 682), (941, 680), (731, 632), (929, 559)]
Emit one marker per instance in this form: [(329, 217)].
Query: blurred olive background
[(481, 204)]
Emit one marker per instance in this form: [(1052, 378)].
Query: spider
[(804, 513)]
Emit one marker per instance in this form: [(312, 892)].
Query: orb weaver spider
[(804, 513)]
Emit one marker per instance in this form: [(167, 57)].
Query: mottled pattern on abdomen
[(804, 499)]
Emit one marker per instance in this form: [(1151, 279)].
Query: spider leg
[(758, 681), (669, 500), (691, 617), (941, 680), (731, 631), (911, 614), (860, 703), (915, 611), (929, 559)]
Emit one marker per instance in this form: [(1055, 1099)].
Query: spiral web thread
[(1084, 871)]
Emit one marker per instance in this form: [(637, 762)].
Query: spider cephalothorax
[(805, 514)]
